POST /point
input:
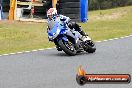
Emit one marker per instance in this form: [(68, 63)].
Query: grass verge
[(103, 24)]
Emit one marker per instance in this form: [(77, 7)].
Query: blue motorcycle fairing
[(62, 28), (58, 29), (52, 31)]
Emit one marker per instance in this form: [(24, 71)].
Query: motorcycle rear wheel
[(91, 46)]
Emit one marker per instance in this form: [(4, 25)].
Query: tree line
[(106, 4)]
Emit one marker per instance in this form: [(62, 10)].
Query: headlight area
[(54, 35), (50, 38)]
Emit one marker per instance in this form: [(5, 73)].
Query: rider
[(53, 17)]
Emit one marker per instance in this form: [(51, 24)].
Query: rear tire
[(65, 48), (92, 50), (91, 46)]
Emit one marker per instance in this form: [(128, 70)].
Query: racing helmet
[(52, 13)]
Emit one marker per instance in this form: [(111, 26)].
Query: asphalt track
[(53, 69)]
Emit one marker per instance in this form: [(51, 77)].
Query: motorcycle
[(63, 42)]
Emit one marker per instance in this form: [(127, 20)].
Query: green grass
[(19, 36), (110, 23), (103, 24)]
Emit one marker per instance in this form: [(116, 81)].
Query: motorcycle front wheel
[(67, 47)]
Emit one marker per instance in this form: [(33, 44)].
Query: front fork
[(57, 40)]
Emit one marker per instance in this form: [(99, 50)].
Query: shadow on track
[(62, 54)]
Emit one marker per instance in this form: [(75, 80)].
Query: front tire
[(67, 48)]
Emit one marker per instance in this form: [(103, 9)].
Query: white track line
[(115, 38), (54, 47)]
